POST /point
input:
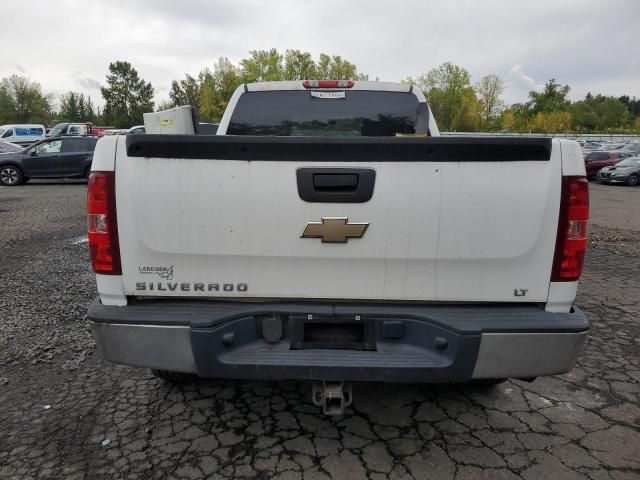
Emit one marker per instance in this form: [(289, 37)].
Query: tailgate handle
[(335, 181), (336, 185)]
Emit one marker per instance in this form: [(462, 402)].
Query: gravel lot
[(65, 413)]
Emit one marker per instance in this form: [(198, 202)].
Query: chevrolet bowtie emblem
[(334, 230)]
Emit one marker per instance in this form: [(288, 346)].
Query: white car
[(7, 147), (136, 130), (22, 134), (328, 233)]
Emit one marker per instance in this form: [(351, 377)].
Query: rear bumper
[(401, 343)]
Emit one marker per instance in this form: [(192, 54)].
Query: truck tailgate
[(449, 219)]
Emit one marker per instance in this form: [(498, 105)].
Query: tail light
[(571, 242), (327, 83), (102, 225)]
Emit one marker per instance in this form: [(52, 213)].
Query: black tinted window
[(207, 129), (58, 129), (74, 145), (596, 156), (299, 113)]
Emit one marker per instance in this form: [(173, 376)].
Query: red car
[(594, 161)]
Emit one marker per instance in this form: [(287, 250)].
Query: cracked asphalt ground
[(66, 413)]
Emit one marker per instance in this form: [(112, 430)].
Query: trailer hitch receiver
[(333, 397)]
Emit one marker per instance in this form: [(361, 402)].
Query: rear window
[(597, 156), (301, 113), (58, 129)]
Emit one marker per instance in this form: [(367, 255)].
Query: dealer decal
[(329, 95), (163, 272)]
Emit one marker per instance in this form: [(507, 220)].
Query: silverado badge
[(334, 230)]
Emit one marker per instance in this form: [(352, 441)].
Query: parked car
[(7, 147), (627, 171), (24, 134), (611, 147), (137, 130), (86, 128), (631, 149), (594, 161), (114, 131), (60, 157)]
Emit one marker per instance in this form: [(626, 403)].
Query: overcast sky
[(592, 45)]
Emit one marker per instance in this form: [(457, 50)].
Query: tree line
[(458, 104)]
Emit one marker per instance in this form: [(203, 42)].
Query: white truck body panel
[(438, 231)]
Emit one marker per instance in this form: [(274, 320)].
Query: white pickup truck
[(328, 233)]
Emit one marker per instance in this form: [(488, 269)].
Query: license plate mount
[(327, 332)]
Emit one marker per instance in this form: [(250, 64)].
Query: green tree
[(185, 92), (216, 88), (75, 107), (262, 66), (612, 112), (508, 120), (632, 104), (551, 122), (269, 65), (164, 105), (600, 113), (87, 109), (22, 101), (299, 66), (451, 97), (514, 119), (552, 99), (337, 68), (584, 115), (469, 117), (489, 90), (126, 96)]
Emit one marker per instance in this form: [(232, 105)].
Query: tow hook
[(333, 397)]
